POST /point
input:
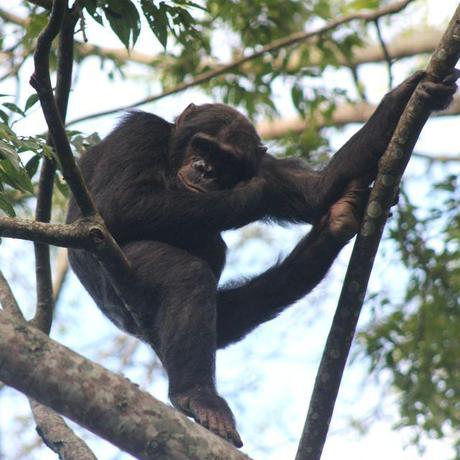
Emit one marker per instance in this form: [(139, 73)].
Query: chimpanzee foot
[(346, 213), (210, 410)]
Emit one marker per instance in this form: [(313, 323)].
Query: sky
[(269, 376)]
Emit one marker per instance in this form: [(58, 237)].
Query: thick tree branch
[(107, 404), (391, 168), (274, 46), (51, 427)]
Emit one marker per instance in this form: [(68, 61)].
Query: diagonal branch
[(274, 46), (105, 403), (52, 428), (391, 169)]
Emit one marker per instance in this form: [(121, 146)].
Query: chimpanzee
[(166, 191)]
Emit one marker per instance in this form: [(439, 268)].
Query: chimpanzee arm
[(300, 193), (242, 307), (135, 211)]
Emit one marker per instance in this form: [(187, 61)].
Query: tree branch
[(45, 304), (276, 45), (8, 300), (343, 115), (108, 252), (406, 44), (83, 234), (57, 435), (391, 168), (107, 404)]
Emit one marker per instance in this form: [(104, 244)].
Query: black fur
[(172, 238)]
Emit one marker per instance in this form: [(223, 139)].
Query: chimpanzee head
[(214, 148)]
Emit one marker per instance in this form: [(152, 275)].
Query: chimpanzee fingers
[(437, 95), (452, 77)]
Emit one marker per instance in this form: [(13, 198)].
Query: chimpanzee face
[(223, 159), (211, 165)]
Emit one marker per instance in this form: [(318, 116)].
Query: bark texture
[(109, 405)]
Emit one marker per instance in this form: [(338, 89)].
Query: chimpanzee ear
[(187, 111)]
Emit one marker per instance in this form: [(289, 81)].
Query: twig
[(437, 158), (385, 53), (391, 168), (270, 48)]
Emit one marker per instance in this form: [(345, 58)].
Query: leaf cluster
[(417, 340)]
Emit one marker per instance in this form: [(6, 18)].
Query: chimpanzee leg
[(183, 287)]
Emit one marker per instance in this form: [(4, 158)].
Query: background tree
[(296, 84)]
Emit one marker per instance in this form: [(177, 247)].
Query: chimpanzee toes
[(207, 408)]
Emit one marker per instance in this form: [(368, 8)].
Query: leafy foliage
[(417, 341)]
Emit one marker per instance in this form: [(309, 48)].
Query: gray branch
[(107, 404)]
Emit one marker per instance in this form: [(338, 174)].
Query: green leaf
[(31, 100), (91, 7), (157, 20), (362, 4), (9, 153), (124, 20), (6, 206), (32, 166), (18, 179), (62, 186), (4, 116), (13, 108)]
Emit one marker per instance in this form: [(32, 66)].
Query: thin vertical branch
[(386, 53), (45, 304), (51, 427), (108, 253), (391, 169)]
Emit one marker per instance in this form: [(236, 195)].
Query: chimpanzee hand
[(345, 215), (439, 95)]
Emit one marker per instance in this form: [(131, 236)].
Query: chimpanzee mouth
[(190, 185)]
